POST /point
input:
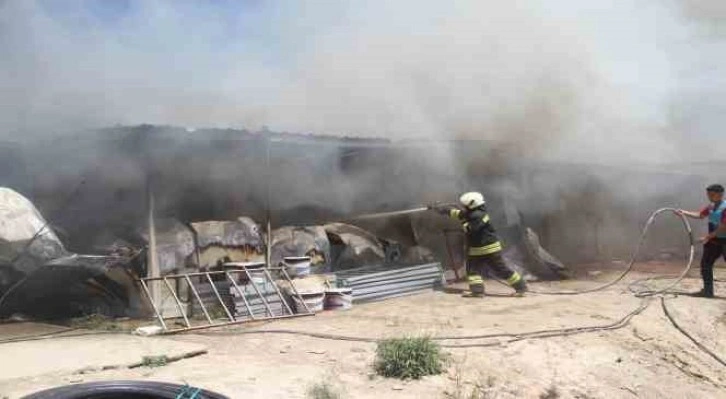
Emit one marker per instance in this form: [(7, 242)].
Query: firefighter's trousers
[(477, 267)]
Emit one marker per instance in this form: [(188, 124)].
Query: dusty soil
[(648, 358)]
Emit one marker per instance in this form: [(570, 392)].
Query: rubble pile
[(38, 276), (50, 280)]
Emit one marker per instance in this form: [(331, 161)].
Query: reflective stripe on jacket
[(486, 249), (480, 234)]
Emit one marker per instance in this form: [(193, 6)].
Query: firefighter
[(483, 246), (714, 243)]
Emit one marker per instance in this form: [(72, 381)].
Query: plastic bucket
[(297, 266), (338, 298), (315, 301), (237, 271)]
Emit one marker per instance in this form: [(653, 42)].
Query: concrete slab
[(91, 352)]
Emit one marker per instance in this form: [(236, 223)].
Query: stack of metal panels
[(255, 301), (381, 282), (207, 295)]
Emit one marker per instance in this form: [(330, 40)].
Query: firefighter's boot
[(517, 282), (476, 286)]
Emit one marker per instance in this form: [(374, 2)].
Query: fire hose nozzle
[(439, 204)]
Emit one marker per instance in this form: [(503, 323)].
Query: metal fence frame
[(239, 269)]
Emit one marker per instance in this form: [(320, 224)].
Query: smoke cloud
[(558, 79), (621, 83)]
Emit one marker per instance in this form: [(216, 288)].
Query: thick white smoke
[(568, 78), (610, 83)]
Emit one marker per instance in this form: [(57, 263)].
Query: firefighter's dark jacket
[(480, 234)]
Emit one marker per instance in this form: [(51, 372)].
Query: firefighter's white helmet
[(472, 200)]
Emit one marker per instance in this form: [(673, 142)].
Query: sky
[(563, 78)]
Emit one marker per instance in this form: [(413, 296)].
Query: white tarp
[(20, 221), (238, 233), (174, 244), (300, 241)]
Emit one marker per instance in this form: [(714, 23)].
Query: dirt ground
[(648, 358)]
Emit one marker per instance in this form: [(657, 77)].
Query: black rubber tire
[(123, 390)]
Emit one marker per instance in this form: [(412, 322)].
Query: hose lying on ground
[(689, 336), (70, 332), (45, 335), (541, 333), (512, 337), (644, 293)]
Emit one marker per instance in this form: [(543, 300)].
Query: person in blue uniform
[(714, 243)]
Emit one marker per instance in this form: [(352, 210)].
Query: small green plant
[(155, 361), (408, 358), (322, 390)]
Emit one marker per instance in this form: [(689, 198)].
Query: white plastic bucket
[(338, 298), (297, 266), (314, 300), (237, 271)]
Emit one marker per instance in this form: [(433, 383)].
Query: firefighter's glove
[(444, 210)]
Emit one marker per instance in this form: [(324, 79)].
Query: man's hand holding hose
[(443, 209)]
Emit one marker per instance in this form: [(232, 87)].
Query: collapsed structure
[(180, 200), (39, 276)]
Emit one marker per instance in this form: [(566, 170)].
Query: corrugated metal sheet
[(378, 283)]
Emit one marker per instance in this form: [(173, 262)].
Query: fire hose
[(390, 214), (619, 277), (646, 294), (633, 258)]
